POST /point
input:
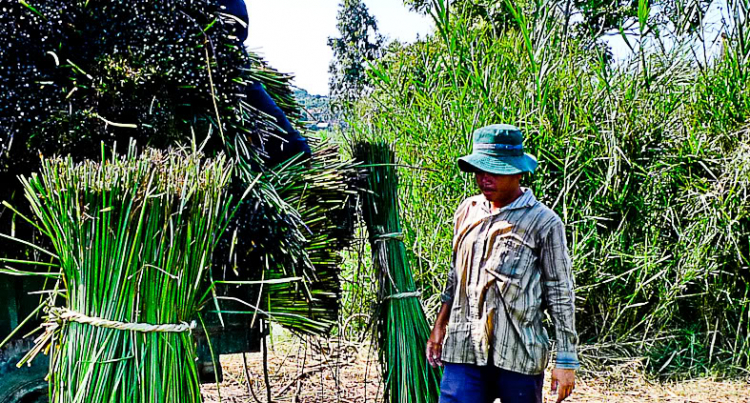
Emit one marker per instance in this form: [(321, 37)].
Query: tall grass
[(646, 162)]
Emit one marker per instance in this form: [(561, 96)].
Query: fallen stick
[(312, 370)]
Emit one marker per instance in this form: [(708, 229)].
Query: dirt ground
[(314, 373)]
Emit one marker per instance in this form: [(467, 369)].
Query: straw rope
[(402, 295), (393, 236), (57, 315), (396, 236)]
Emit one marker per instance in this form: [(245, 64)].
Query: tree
[(593, 18), (359, 44)]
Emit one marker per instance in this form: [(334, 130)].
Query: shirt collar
[(526, 200)]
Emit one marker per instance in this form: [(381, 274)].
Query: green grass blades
[(646, 161), (402, 329), (135, 236)]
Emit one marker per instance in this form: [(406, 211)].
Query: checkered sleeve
[(557, 282)]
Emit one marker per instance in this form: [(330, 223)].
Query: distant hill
[(315, 108)]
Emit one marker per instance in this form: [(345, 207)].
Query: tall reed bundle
[(134, 236), (402, 329), (172, 72), (322, 190), (294, 252)]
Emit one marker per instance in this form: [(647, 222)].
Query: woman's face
[(497, 187)]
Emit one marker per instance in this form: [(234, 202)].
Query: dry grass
[(301, 373)]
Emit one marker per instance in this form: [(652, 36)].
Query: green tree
[(359, 44), (590, 19)]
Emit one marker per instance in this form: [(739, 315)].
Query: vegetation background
[(647, 160)]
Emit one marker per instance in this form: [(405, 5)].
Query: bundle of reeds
[(402, 329), (322, 190), (294, 251), (134, 237), (81, 72)]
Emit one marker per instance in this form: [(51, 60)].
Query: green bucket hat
[(498, 149)]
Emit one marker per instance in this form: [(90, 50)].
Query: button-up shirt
[(507, 267)]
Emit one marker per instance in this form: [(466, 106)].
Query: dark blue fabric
[(237, 8), (467, 383), (291, 142)]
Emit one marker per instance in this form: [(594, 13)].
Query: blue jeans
[(466, 383)]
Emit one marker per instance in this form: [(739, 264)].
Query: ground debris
[(350, 373), (303, 373)]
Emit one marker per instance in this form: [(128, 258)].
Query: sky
[(297, 43)]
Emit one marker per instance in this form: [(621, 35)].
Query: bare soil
[(315, 373)]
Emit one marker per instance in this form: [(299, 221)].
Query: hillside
[(315, 108)]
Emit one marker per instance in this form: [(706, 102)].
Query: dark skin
[(500, 191)]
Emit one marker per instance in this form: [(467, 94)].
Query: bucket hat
[(498, 149)]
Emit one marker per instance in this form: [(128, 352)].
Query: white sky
[(292, 35)]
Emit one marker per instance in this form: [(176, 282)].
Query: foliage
[(359, 44), (133, 238), (402, 329), (588, 19), (317, 108), (646, 162)]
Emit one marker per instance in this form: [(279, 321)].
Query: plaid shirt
[(507, 268)]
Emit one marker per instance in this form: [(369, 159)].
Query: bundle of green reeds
[(322, 190), (134, 237), (294, 252), (173, 70), (402, 329)]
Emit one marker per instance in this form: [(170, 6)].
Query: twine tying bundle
[(61, 315), (396, 236), (56, 317), (393, 236), (402, 295)]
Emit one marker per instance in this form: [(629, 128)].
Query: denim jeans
[(466, 383)]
